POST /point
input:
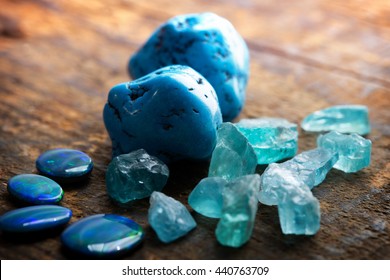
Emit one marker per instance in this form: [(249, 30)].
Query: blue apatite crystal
[(102, 235), (273, 139), (35, 218), (209, 44), (35, 189), (134, 176), (172, 113), (206, 198), (233, 156), (64, 164), (239, 211), (342, 118), (354, 151), (169, 218)]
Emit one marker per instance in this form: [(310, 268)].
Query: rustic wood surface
[(58, 59)]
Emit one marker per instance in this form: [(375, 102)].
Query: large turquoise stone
[(64, 164), (35, 218), (35, 189), (102, 235), (209, 44)]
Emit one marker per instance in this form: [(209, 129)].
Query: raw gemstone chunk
[(342, 118), (35, 189), (354, 151), (239, 210), (273, 139), (233, 156), (209, 44), (134, 176), (172, 113), (206, 197), (102, 235), (169, 218)]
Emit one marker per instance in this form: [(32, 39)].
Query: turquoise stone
[(35, 218), (273, 139), (239, 211), (354, 151), (169, 218), (64, 164), (233, 156), (206, 197), (102, 235), (134, 176), (342, 118), (35, 189)]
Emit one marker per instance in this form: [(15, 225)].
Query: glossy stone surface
[(169, 218), (206, 198), (233, 156), (134, 176), (64, 164), (102, 235), (35, 218), (169, 113), (35, 189), (342, 118), (209, 44), (239, 211), (273, 139), (354, 151)]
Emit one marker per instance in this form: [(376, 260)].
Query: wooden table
[(58, 59)]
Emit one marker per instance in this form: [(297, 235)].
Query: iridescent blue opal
[(64, 164), (102, 235), (35, 189), (35, 218)]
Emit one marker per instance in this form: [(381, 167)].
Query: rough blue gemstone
[(169, 218), (209, 44), (35, 189), (64, 164), (206, 198), (354, 151), (102, 235), (172, 113), (342, 118), (273, 139), (35, 218)]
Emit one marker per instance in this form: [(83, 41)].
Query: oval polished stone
[(35, 189), (64, 164), (102, 235), (35, 218)]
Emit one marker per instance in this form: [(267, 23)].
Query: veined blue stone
[(172, 113), (64, 164), (169, 218), (239, 211), (233, 156), (354, 151), (206, 198), (35, 189), (273, 139), (209, 44), (102, 235), (342, 118), (134, 176), (35, 218)]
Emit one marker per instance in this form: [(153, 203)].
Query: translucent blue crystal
[(239, 211), (169, 218), (273, 139), (134, 176), (342, 118), (206, 197), (354, 151), (233, 156)]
